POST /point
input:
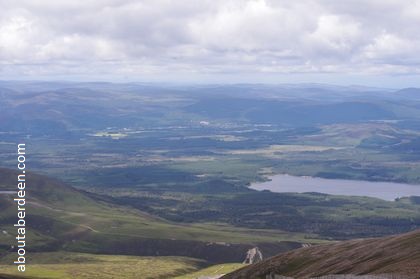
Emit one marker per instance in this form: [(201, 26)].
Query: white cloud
[(335, 35), (214, 37), (392, 49)]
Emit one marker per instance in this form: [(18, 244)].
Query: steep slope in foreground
[(398, 255)]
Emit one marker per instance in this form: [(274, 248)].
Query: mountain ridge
[(397, 255)]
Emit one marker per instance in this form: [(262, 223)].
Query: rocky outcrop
[(253, 255)]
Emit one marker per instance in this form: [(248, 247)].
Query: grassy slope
[(62, 218), (64, 265), (75, 213)]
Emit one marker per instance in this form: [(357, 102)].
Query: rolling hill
[(61, 218)]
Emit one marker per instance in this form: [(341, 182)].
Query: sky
[(367, 42)]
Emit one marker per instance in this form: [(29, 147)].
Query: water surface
[(283, 183)]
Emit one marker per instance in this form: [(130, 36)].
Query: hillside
[(60, 217), (397, 255)]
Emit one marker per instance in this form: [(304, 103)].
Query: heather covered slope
[(398, 254)]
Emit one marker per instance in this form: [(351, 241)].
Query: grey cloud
[(162, 37)]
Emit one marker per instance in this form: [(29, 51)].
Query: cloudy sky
[(372, 42)]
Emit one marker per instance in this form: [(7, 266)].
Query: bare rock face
[(253, 255)]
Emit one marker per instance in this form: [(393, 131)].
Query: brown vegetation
[(398, 255)]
